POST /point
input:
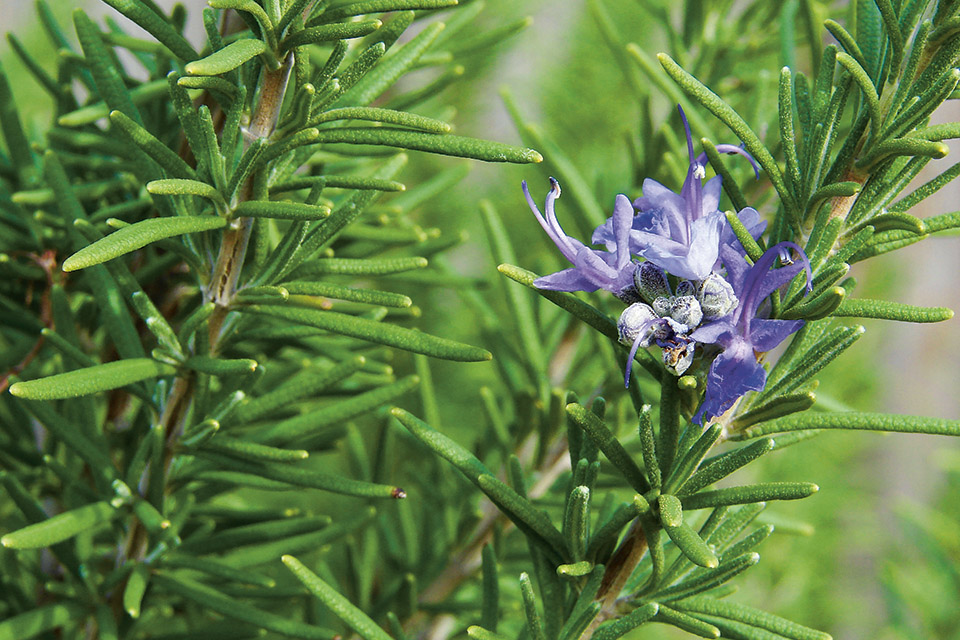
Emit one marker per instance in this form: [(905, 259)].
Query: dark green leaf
[(101, 377)]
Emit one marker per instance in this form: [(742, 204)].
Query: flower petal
[(720, 332), (767, 334), (732, 374), (622, 223), (566, 280), (711, 195)]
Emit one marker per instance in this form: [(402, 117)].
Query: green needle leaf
[(448, 145), (750, 616), (217, 569), (622, 626), (139, 235), (227, 59), (37, 621), (523, 513), (361, 267), (380, 6), (245, 450), (177, 187), (151, 22), (702, 581), (228, 607), (172, 163), (280, 210), (608, 443), (103, 66), (687, 540), (365, 329), (887, 310), (326, 33), (340, 292), (388, 116), (391, 68), (686, 622), (775, 408), (869, 91), (691, 459), (490, 603), (304, 477), (82, 382), (762, 492), (300, 386), (308, 424), (61, 526), (135, 589), (337, 603), (855, 420)]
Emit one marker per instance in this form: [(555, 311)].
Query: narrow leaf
[(762, 492), (227, 59), (751, 616), (449, 145), (378, 332), (309, 478), (37, 621), (305, 425), (280, 210), (168, 160), (139, 235), (101, 377), (390, 69), (608, 443), (231, 608), (326, 33), (337, 603), (154, 24), (61, 526), (687, 540), (887, 310), (855, 420), (622, 626)]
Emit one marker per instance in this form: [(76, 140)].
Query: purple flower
[(592, 269), (741, 334), (682, 233)]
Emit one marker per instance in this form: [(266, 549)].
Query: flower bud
[(651, 281), (716, 297), (634, 319), (663, 306), (686, 288), (686, 310)]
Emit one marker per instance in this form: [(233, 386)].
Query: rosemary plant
[(223, 419)]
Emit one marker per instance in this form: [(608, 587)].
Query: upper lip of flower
[(679, 232), (610, 270)]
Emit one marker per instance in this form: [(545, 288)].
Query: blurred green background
[(872, 568)]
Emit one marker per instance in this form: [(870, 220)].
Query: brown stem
[(621, 566), (221, 290)]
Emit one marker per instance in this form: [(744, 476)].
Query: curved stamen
[(568, 250), (633, 352), (734, 149), (549, 209)]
